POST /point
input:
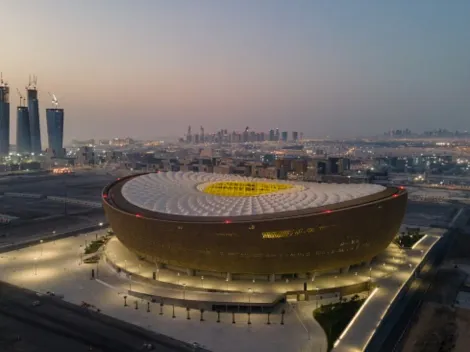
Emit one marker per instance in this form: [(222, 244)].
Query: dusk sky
[(148, 68)]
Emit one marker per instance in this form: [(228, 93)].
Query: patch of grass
[(334, 317), (96, 245), (407, 241)]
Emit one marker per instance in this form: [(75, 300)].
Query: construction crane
[(55, 101), (22, 99), (33, 82), (2, 82)]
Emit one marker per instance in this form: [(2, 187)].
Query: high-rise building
[(189, 137), (55, 131), (4, 118), (201, 137), (295, 136), (23, 135), (277, 136), (33, 108), (284, 136), (271, 135)]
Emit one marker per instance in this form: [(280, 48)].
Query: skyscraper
[(271, 135), (4, 118), (55, 131), (284, 136), (33, 108), (295, 136), (23, 135)]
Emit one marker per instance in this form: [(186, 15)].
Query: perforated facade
[(323, 237)]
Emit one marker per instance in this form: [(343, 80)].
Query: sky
[(150, 68)]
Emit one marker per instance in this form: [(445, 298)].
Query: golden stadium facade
[(239, 225)]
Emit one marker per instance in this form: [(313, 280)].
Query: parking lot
[(427, 214)]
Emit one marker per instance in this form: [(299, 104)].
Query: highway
[(55, 325), (390, 333)]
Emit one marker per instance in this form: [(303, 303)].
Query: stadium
[(214, 224)]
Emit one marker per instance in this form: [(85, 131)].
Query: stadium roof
[(204, 194)]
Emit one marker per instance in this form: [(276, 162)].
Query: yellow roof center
[(244, 189)]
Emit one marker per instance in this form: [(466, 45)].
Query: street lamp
[(184, 291), (226, 280), (96, 235), (178, 274), (35, 266), (130, 282), (249, 298), (41, 241), (202, 281)]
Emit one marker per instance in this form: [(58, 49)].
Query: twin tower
[(28, 129)]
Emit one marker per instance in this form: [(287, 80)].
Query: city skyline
[(327, 69)]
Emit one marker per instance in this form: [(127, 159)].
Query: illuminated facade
[(304, 240)]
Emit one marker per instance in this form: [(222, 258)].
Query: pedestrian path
[(57, 267)]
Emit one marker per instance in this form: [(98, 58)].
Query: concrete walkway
[(56, 266), (262, 291), (356, 336)]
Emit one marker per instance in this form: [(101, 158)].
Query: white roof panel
[(181, 193)]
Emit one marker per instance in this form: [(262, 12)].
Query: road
[(390, 332), (56, 325)]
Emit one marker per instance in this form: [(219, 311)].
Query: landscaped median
[(335, 317), (94, 247), (408, 239)]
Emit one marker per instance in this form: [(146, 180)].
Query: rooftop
[(207, 194)]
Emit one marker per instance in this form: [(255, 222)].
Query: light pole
[(184, 291), (178, 274), (100, 225), (41, 241), (53, 235), (130, 282), (226, 281), (202, 281), (249, 299), (35, 266)]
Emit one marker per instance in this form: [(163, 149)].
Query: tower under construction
[(4, 117), (55, 129), (23, 132), (33, 108)]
